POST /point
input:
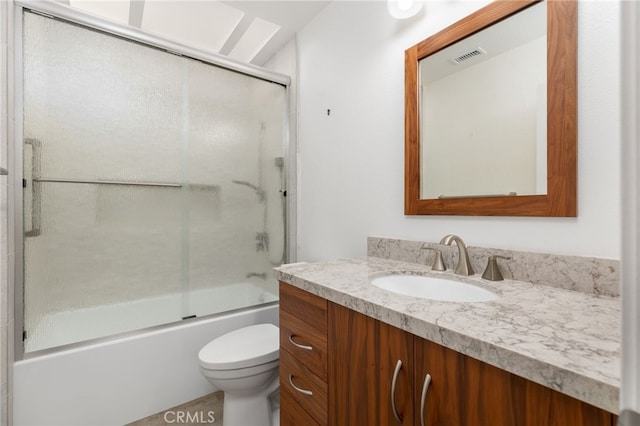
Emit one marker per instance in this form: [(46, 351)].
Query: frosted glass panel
[(154, 186), (236, 143), (101, 109)]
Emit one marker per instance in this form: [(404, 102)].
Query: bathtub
[(62, 328), (119, 380)]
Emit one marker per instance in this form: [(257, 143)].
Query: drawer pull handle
[(304, 391), (393, 391), (423, 400), (298, 345)]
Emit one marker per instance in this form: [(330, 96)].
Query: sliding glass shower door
[(153, 185)]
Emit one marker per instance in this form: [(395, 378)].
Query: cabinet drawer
[(291, 413), (305, 343), (311, 392), (306, 306)]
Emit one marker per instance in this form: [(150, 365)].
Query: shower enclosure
[(153, 184)]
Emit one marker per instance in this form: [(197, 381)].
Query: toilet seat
[(245, 347)]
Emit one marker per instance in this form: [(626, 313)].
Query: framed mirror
[(490, 114)]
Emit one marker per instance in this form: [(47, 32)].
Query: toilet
[(244, 365)]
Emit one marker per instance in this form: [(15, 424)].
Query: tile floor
[(201, 411)]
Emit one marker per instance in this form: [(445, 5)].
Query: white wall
[(352, 161)]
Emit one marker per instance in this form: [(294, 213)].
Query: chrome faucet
[(464, 265)]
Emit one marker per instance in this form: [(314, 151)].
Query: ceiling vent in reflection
[(465, 57)]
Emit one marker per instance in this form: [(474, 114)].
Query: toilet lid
[(245, 347)]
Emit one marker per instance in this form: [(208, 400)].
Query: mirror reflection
[(483, 112)]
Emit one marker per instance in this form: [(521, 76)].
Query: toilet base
[(250, 409)]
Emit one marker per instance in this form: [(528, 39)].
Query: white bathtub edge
[(119, 381)]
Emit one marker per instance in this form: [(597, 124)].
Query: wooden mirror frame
[(560, 200)]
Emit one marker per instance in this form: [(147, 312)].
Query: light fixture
[(403, 9)]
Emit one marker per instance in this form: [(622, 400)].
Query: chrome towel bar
[(36, 205), (109, 182)]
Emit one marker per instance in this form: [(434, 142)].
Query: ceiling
[(247, 31)]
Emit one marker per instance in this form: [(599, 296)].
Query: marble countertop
[(566, 340)]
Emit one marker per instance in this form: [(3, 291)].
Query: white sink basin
[(433, 288)]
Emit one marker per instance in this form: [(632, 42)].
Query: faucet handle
[(438, 263), (492, 272)]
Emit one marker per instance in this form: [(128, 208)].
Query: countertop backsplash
[(585, 274)]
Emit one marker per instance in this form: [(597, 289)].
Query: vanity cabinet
[(364, 354), (351, 376)]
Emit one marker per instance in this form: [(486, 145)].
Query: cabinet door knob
[(393, 391), (304, 391), (423, 399), (298, 345)]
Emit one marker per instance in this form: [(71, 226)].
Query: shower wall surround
[(585, 274)]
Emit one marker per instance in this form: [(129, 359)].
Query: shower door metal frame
[(630, 273), (66, 13)]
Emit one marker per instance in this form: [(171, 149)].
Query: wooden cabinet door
[(467, 392), (352, 368), (395, 348), (447, 388), (550, 407), (363, 356)]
